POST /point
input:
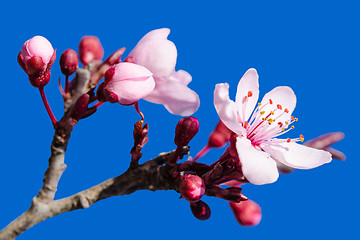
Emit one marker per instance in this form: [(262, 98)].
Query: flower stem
[(66, 84), (137, 109), (47, 106), (202, 152), (98, 104)]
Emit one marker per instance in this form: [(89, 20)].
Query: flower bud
[(90, 49), (200, 210), (247, 213), (185, 130), (220, 136), (192, 187), (127, 83), (69, 62), (36, 58)]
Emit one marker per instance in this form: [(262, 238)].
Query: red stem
[(98, 104), (66, 84), (137, 109), (202, 152), (47, 106)]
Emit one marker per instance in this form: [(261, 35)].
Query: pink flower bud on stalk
[(192, 187), (36, 58), (69, 62), (127, 83), (90, 49), (247, 213), (200, 210)]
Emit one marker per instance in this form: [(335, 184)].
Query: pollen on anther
[(250, 93), (292, 127), (259, 104), (262, 112), (301, 138)]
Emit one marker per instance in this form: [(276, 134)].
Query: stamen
[(286, 110), (250, 94), (279, 106), (301, 138), (270, 101)]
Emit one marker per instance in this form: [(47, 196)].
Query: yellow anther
[(292, 127), (283, 129), (301, 138), (262, 112), (259, 104), (296, 119), (272, 113), (287, 122)]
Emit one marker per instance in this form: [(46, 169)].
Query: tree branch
[(152, 175)]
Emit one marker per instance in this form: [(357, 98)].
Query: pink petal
[(155, 52), (174, 94), (248, 83), (283, 96), (298, 156), (227, 109), (257, 166), (37, 46)]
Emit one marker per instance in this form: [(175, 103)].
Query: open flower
[(155, 52), (257, 127)]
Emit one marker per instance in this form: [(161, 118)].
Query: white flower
[(258, 126)]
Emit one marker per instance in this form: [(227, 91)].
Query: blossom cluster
[(255, 154)]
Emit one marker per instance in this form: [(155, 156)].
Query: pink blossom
[(126, 83), (155, 52), (90, 49), (258, 126)]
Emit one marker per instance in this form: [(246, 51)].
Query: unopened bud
[(185, 130), (127, 83), (79, 107), (36, 58), (69, 62), (90, 49), (220, 136), (200, 210), (192, 187), (246, 213)]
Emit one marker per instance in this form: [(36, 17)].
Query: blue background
[(312, 46)]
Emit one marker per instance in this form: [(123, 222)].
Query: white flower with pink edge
[(257, 127)]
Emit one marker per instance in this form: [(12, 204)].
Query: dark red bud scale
[(69, 62)]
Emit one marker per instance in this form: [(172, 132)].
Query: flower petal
[(227, 109), (283, 96), (298, 156), (155, 52), (248, 83), (257, 166), (174, 94)]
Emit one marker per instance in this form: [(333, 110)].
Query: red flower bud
[(69, 62), (90, 49), (220, 136), (192, 187), (200, 210), (185, 130), (247, 213)]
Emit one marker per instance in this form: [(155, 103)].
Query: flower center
[(268, 121)]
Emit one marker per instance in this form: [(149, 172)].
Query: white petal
[(248, 83), (298, 156), (284, 96), (174, 94), (257, 166), (226, 109)]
